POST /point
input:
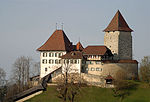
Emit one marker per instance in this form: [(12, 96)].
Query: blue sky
[(26, 24)]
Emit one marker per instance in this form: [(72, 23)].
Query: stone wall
[(120, 44), (111, 41), (113, 68), (125, 45)]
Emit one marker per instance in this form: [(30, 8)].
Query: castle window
[(98, 69), (56, 61), (43, 61), (78, 61), (66, 61), (55, 54), (45, 69), (75, 61), (59, 54), (92, 69), (44, 54), (50, 54), (52, 61), (91, 62), (71, 61), (59, 61), (97, 62)]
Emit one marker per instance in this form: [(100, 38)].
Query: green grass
[(95, 94)]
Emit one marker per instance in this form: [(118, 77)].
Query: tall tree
[(145, 69), (3, 87), (69, 84), (21, 72), (122, 86)]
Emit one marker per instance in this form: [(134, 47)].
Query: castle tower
[(118, 38)]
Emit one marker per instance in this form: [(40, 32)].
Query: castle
[(103, 61)]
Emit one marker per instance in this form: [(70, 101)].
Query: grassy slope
[(95, 94)]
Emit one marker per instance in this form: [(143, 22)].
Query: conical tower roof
[(58, 41), (118, 23), (79, 46)]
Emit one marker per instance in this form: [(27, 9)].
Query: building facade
[(105, 61)]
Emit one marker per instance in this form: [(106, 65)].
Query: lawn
[(95, 94)]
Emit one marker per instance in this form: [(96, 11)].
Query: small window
[(56, 61), (91, 62), (75, 61), (52, 61), (92, 69), (71, 61), (55, 54), (98, 69), (59, 61), (59, 54), (43, 61), (50, 54), (78, 61), (44, 54), (67, 61), (45, 69)]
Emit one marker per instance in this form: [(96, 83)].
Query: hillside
[(95, 94)]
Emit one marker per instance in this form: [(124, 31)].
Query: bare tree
[(35, 69), (3, 87), (145, 69), (122, 86), (21, 72), (69, 84)]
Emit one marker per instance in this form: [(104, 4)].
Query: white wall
[(72, 68), (50, 66)]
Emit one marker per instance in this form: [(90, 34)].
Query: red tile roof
[(109, 77), (95, 50), (73, 55), (118, 23), (58, 41), (79, 46)]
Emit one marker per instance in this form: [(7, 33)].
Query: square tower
[(118, 38)]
